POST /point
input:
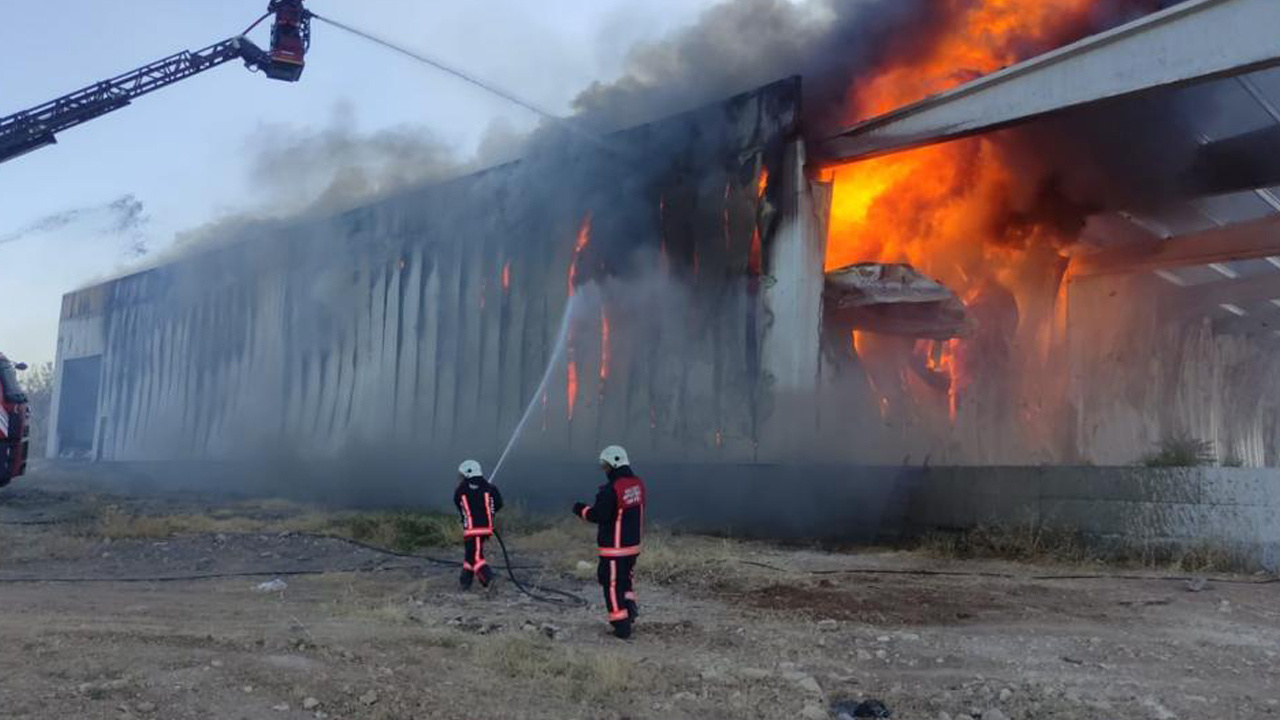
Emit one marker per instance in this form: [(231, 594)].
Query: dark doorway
[(78, 404)]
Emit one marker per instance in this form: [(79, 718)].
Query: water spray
[(571, 311), (486, 85)]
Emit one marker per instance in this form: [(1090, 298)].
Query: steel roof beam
[(1190, 42), (1243, 162), (1241, 292), (1242, 241)]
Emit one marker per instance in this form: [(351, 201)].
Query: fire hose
[(547, 595), (552, 595)]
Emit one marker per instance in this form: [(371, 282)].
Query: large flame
[(605, 347), (571, 387), (571, 369), (949, 210), (580, 244)]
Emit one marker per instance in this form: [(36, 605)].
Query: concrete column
[(792, 298)]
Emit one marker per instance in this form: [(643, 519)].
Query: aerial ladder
[(39, 126)]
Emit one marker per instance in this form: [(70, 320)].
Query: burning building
[(427, 321), (986, 271)]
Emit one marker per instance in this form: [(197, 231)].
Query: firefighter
[(618, 513), (478, 502)]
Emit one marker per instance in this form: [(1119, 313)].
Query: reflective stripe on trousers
[(616, 577)]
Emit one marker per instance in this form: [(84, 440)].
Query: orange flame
[(762, 185), (903, 207), (571, 387), (584, 238), (944, 209), (940, 357), (506, 276), (604, 346)]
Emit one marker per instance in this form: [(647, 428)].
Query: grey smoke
[(338, 165), (123, 217), (302, 172)]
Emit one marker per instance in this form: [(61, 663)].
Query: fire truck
[(285, 60), (14, 428)]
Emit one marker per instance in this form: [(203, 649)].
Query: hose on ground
[(548, 594)]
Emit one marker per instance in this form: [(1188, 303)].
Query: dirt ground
[(108, 610)]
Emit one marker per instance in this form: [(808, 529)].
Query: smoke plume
[(300, 173), (338, 165), (737, 46)]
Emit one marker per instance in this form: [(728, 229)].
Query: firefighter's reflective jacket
[(478, 502), (618, 513)]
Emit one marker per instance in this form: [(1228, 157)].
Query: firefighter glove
[(578, 508)]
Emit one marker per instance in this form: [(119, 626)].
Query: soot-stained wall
[(421, 325)]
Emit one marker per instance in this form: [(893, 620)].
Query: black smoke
[(737, 46)]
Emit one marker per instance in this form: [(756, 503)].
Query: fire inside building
[(986, 277)]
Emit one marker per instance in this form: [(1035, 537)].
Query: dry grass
[(1038, 544), (567, 540), (117, 524), (578, 674), (686, 559), (1207, 557), (42, 545), (1023, 542), (404, 531), (1199, 558)]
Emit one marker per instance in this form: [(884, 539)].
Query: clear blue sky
[(182, 150)]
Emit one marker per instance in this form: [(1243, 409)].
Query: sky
[(185, 152)]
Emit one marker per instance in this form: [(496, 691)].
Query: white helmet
[(614, 457), (470, 469)]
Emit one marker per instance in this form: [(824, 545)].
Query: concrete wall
[(1230, 508), (423, 323)]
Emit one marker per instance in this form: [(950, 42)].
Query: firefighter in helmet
[(478, 502), (618, 513)]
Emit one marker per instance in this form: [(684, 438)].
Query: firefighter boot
[(633, 610), (486, 575), (622, 629), (464, 580)]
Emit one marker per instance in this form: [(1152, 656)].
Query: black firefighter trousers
[(617, 580), (474, 563)]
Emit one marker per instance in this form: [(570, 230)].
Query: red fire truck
[(14, 430)]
